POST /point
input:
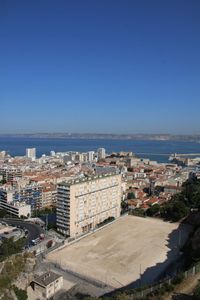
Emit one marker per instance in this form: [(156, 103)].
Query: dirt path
[(186, 287)]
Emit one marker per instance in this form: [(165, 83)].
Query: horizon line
[(102, 133)]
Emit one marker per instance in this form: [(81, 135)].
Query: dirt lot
[(118, 253)]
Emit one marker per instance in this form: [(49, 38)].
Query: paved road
[(34, 230)]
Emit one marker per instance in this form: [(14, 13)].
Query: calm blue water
[(155, 150)]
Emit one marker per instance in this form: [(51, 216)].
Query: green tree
[(174, 210), (153, 210), (21, 294), (4, 282), (3, 181), (137, 212), (124, 205), (159, 189), (131, 195), (9, 247), (179, 211)]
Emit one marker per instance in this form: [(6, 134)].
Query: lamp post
[(140, 276)]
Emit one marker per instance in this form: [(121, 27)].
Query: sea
[(155, 150)]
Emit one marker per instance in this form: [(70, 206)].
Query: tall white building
[(31, 153), (90, 156), (101, 153), (52, 153), (84, 203)]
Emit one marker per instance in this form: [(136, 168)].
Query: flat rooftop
[(117, 254), (85, 179), (46, 278)]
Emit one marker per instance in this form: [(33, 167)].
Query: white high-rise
[(90, 156), (52, 153), (31, 153), (101, 153)]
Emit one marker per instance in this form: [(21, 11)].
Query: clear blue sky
[(128, 66)]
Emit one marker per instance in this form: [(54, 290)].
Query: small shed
[(48, 284)]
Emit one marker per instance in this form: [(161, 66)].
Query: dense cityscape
[(59, 200)]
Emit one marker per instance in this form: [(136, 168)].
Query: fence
[(86, 278), (44, 251), (143, 292), (57, 245)]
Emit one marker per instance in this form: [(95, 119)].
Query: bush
[(196, 295), (122, 296), (124, 205), (181, 203), (4, 282), (9, 247), (153, 210), (174, 210), (139, 212), (178, 278), (131, 195), (21, 294), (108, 220), (168, 287)]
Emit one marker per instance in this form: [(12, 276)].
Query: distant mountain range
[(155, 137)]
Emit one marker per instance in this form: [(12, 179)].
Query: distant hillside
[(155, 137)]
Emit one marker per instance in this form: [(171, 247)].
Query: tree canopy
[(9, 247), (182, 203)]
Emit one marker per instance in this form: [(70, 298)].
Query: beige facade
[(49, 194), (82, 204), (48, 284)]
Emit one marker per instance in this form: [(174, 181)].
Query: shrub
[(168, 287), (196, 295), (153, 210), (131, 195), (21, 294), (108, 220), (178, 278)]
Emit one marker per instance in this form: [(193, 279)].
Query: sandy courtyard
[(116, 254)]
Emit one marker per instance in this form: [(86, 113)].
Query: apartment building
[(101, 152), (31, 153), (10, 173), (49, 195), (90, 156), (15, 208), (84, 203), (30, 195)]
